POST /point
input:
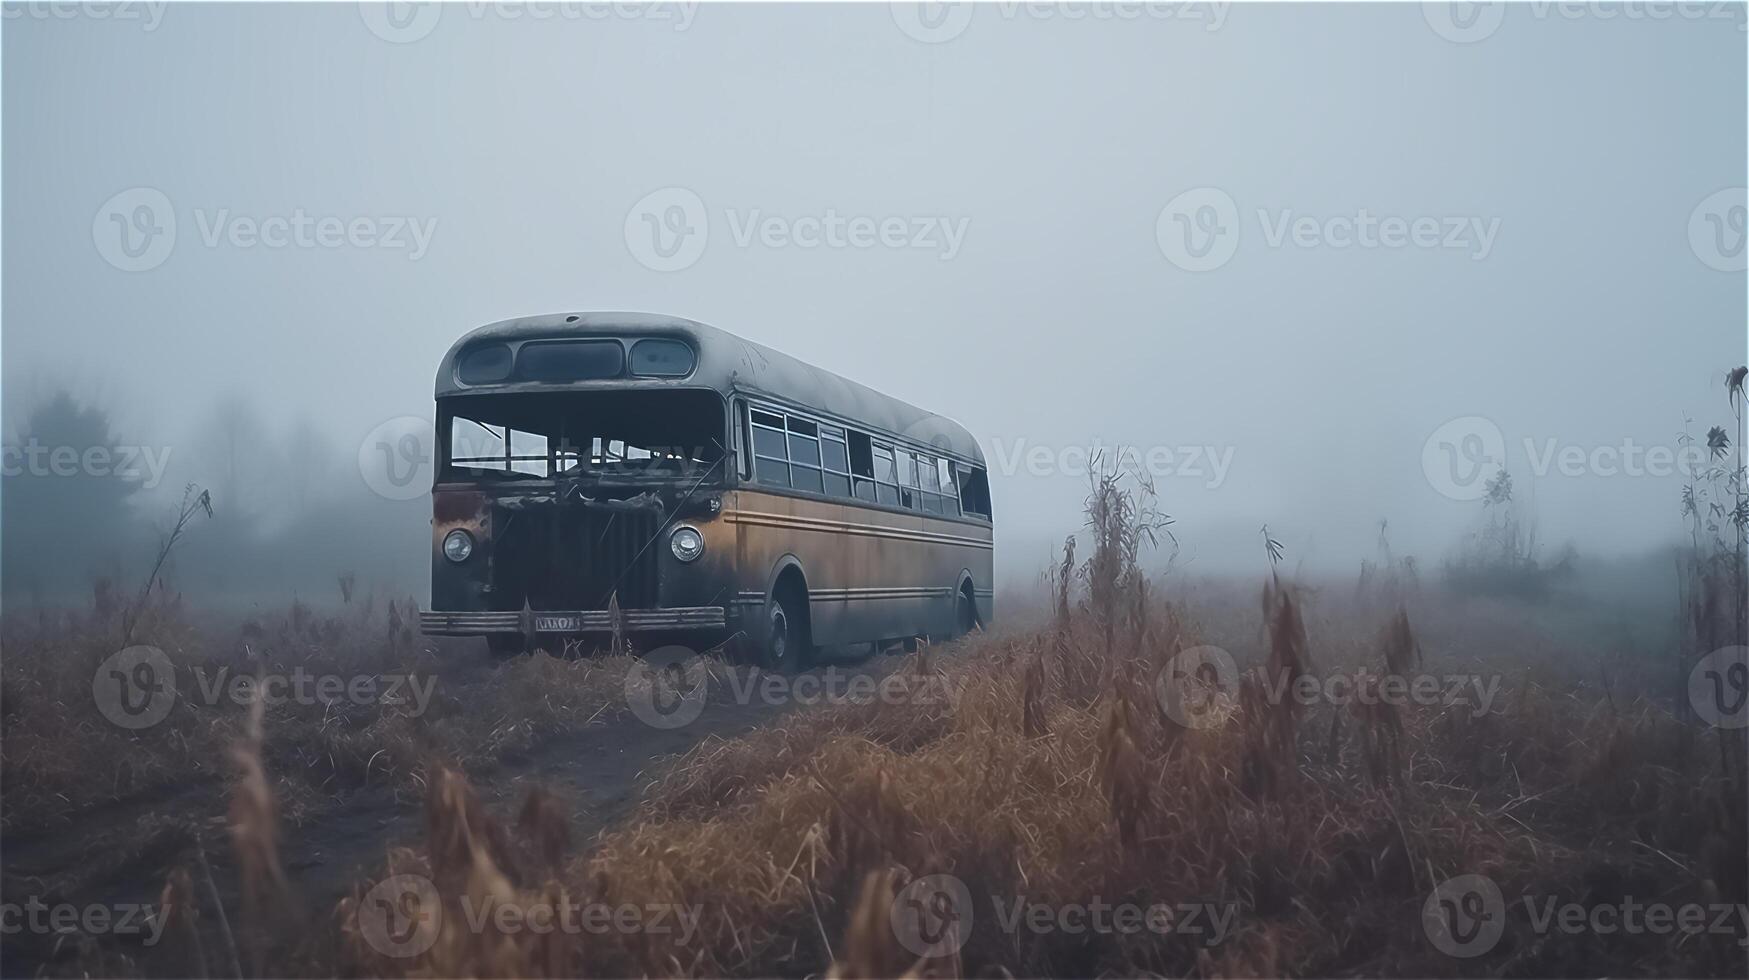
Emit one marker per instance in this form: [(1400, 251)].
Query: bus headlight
[(687, 543), (458, 545)]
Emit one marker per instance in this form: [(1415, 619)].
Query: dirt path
[(120, 854)]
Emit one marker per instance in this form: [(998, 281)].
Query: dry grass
[(1036, 767), (1053, 776), (790, 839), (59, 756)]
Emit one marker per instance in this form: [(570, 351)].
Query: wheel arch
[(790, 565)]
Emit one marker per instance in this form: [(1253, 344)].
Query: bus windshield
[(628, 435)]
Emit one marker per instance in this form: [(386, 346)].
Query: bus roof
[(727, 363)]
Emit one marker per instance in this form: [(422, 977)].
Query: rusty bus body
[(657, 478)]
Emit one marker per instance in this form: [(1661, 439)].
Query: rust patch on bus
[(459, 507)]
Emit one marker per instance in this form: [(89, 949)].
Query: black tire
[(965, 616), (786, 647), (506, 645)]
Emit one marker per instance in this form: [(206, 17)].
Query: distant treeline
[(79, 504)]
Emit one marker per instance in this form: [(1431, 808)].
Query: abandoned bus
[(664, 481)]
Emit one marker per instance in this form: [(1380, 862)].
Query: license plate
[(558, 624)]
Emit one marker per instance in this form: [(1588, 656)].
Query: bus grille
[(576, 557), (620, 553)]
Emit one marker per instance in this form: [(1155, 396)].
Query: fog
[(1318, 266)]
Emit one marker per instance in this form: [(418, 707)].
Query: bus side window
[(950, 496), (835, 461), (974, 491), (770, 452), (928, 483), (862, 466), (804, 454), (907, 478), (886, 487)]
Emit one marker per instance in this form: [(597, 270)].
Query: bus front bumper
[(530, 622)]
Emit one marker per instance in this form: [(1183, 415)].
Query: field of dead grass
[(1053, 776), (423, 701), (1061, 769), (1099, 760)]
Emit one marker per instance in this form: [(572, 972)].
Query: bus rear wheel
[(965, 616)]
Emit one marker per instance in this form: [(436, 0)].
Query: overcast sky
[(1280, 249)]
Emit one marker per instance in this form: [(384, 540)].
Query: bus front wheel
[(786, 644)]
